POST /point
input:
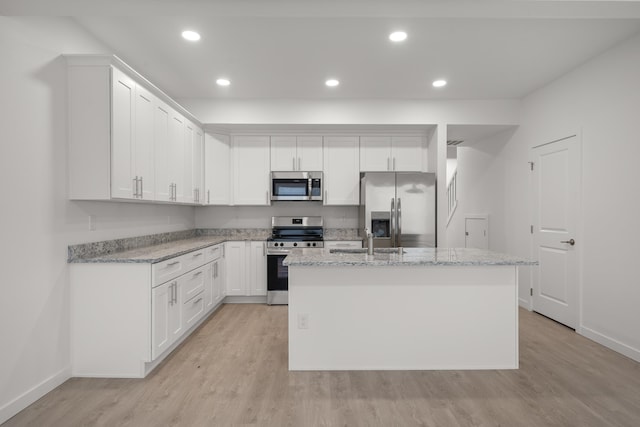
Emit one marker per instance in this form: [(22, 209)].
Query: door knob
[(570, 241)]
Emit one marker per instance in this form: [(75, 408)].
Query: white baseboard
[(245, 300), (524, 303), (613, 344), (11, 408)]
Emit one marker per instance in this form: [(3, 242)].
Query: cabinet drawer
[(164, 271), (194, 259), (193, 310), (212, 253), (193, 283), (343, 244)]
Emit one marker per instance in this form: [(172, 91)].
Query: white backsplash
[(260, 216)]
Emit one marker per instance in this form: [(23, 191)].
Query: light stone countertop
[(409, 257)]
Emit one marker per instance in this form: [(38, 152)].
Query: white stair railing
[(452, 196)]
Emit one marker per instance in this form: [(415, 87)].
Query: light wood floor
[(233, 371)]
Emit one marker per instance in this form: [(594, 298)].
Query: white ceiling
[(274, 49)]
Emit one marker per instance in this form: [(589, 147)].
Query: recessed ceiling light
[(192, 36), (439, 83), (223, 82), (332, 82), (398, 36)]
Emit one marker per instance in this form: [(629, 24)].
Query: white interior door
[(556, 192), (476, 232)]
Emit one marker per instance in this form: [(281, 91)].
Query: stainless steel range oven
[(287, 233)]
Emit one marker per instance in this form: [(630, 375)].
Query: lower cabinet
[(246, 268), (343, 244), (126, 317)]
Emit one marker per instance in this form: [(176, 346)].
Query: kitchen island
[(413, 309)]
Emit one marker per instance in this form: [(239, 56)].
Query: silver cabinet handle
[(195, 195), (141, 187), (135, 187), (394, 163), (325, 196), (293, 159), (196, 274), (399, 236), (198, 254), (298, 163), (173, 263), (175, 191), (570, 241), (264, 249), (388, 163), (208, 197), (215, 270), (197, 301), (267, 197)]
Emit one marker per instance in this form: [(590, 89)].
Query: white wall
[(601, 99), (38, 223), (260, 216), (481, 188)]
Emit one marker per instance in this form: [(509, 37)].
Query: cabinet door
[(309, 153), (176, 323), (122, 136), (283, 153), (235, 268), (161, 153), (375, 154), (407, 153), (258, 269), (217, 170), (209, 288), (161, 304), (251, 170), (187, 170), (144, 142), (176, 155), (218, 281), (198, 152), (341, 171)]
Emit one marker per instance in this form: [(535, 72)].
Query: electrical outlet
[(303, 321)]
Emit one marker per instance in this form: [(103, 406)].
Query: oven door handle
[(272, 252)]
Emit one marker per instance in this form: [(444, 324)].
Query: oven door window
[(290, 187), (277, 274)]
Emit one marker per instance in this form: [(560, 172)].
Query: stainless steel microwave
[(286, 186)]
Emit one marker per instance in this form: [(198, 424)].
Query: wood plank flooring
[(233, 372)]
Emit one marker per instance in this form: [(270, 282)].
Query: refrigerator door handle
[(393, 223), (399, 224)]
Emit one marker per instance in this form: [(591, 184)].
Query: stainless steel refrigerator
[(399, 208)]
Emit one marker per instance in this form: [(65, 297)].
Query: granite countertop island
[(401, 257), (419, 309)]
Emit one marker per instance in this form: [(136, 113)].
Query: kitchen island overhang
[(423, 309)]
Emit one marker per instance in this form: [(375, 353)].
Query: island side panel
[(403, 317)]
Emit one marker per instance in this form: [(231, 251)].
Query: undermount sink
[(364, 251)]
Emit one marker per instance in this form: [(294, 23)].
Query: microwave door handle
[(309, 188), (393, 224)]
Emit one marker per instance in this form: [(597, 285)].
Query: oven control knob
[(308, 244), (281, 244), (295, 244), (314, 244)]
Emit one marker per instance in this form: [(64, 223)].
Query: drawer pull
[(197, 274), (198, 254), (197, 301), (173, 263)]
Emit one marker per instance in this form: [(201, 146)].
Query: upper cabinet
[(341, 170), (217, 170), (391, 153), (127, 139), (251, 170), (296, 153)]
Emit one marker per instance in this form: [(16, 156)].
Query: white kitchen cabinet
[(192, 171), (124, 134), (217, 169), (126, 317), (296, 153), (167, 317), (214, 277), (251, 170), (246, 268), (123, 97), (341, 170), (197, 166), (258, 269), (235, 259), (391, 153), (163, 183)]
